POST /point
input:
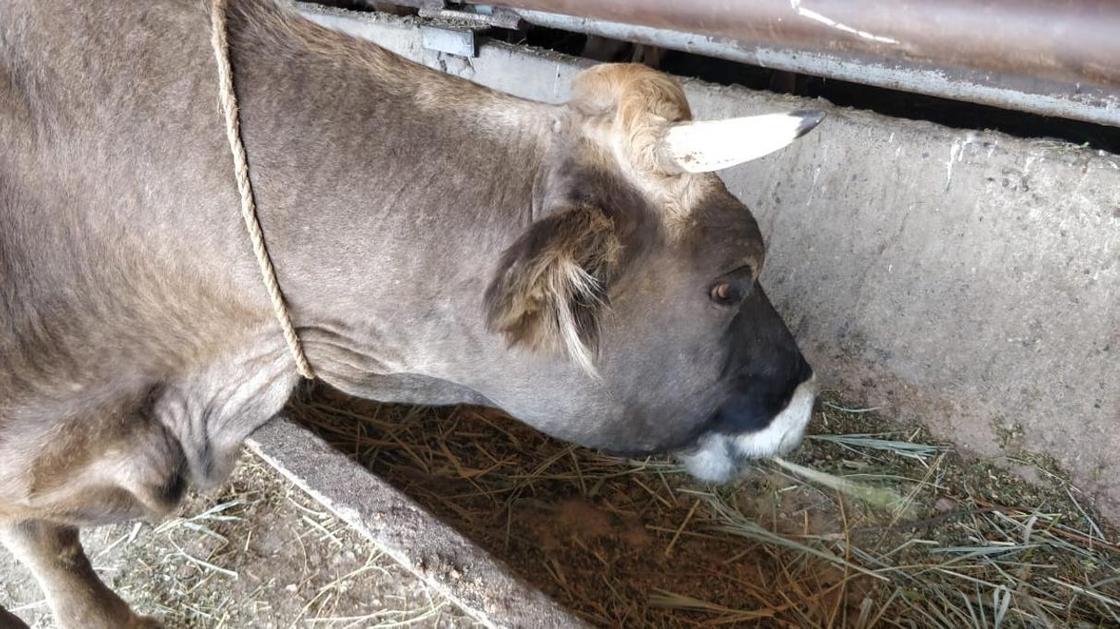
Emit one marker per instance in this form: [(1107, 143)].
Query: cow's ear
[(550, 289)]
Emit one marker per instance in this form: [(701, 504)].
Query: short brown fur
[(630, 108)]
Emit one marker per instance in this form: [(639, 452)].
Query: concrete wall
[(966, 280)]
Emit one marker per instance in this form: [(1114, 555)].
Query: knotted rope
[(228, 99)]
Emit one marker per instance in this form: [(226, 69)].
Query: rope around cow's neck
[(241, 170)]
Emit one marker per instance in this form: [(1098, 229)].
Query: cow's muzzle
[(717, 456)]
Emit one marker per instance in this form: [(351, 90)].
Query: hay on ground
[(865, 526)]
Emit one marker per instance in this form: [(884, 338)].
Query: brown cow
[(438, 243)]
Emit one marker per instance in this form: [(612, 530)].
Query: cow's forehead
[(613, 148), (724, 227), (696, 214)]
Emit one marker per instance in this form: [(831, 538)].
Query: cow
[(578, 265)]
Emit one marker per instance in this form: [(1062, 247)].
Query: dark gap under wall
[(897, 104)]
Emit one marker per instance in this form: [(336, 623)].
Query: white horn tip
[(709, 145), (810, 118)]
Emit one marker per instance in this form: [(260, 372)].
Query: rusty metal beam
[(1044, 38), (1052, 57)]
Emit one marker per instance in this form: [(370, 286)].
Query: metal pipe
[(1044, 38), (1052, 57)]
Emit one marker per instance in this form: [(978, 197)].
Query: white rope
[(245, 188)]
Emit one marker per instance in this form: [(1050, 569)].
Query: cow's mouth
[(717, 457)]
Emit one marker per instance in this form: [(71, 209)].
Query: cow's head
[(635, 290)]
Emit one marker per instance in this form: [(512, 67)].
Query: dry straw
[(867, 526)]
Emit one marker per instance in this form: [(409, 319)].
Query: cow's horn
[(708, 145)]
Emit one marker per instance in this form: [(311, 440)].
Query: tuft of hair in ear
[(551, 286)]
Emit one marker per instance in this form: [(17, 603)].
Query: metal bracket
[(453, 30), (453, 41)]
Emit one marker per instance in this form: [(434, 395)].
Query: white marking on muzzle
[(717, 457), (785, 431)]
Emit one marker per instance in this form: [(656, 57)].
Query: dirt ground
[(921, 538), (895, 529), (258, 553)]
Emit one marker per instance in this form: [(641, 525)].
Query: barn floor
[(941, 542), (258, 553), (871, 523)]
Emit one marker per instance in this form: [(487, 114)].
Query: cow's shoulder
[(130, 447)]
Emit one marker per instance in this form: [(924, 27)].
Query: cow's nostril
[(804, 371), (785, 430)]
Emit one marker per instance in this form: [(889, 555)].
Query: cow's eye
[(732, 288), (726, 292)]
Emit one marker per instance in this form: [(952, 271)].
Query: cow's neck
[(386, 191)]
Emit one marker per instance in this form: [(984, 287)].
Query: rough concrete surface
[(436, 553), (256, 553), (968, 280)]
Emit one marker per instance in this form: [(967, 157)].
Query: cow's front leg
[(78, 599)]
